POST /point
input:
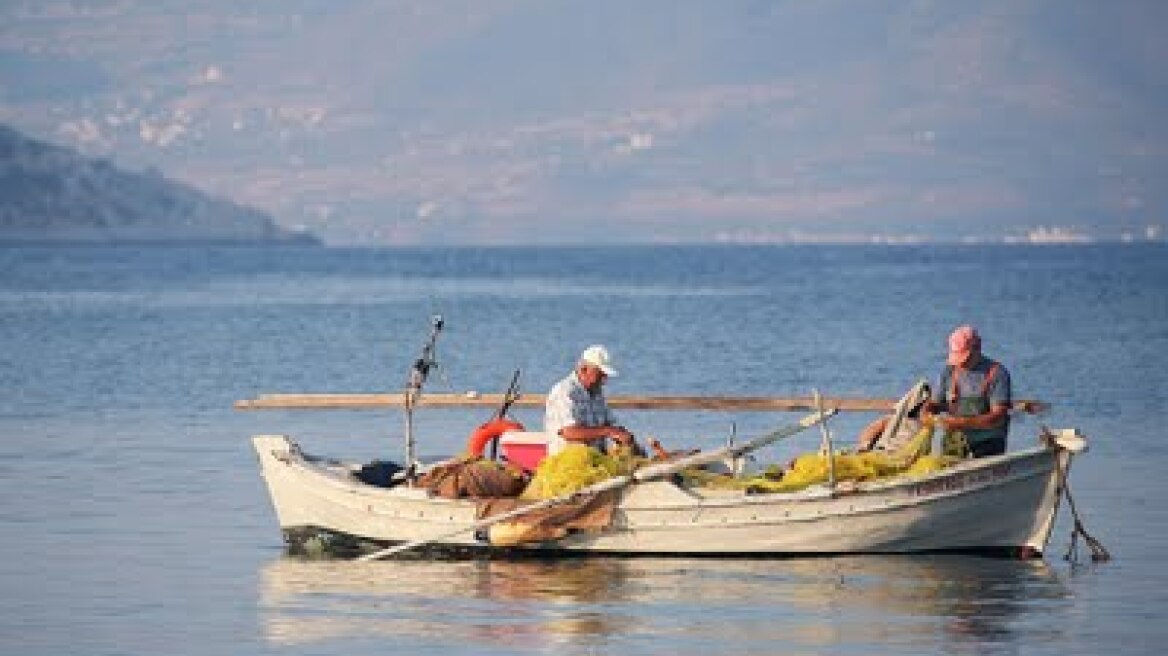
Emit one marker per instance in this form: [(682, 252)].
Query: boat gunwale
[(815, 493)]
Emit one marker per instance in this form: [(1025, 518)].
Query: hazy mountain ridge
[(49, 193), (416, 121)]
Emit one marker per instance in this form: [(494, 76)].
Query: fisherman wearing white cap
[(576, 411)]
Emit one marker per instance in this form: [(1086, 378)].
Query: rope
[(1099, 553)]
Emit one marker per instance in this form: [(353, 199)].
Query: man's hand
[(621, 435), (1034, 407)]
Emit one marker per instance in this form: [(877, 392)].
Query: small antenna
[(417, 380)]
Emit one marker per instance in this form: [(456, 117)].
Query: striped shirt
[(569, 403)]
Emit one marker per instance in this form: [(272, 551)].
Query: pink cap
[(962, 342)]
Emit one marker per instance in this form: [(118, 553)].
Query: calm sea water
[(133, 520)]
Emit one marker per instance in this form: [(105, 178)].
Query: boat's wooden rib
[(356, 401)]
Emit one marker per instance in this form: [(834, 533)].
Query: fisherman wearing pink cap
[(975, 395)]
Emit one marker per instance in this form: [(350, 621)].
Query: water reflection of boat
[(499, 601), (920, 602), (740, 605)]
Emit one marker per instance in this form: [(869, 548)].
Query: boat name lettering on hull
[(960, 482)]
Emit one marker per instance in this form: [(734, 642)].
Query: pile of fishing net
[(572, 469), (473, 478), (914, 459), (576, 467)]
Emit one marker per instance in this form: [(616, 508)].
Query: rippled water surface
[(133, 520)]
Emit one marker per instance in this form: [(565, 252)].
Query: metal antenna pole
[(509, 399), (736, 462), (827, 447), (417, 380)]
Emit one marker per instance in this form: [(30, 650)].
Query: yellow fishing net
[(811, 468), (578, 466), (573, 468)]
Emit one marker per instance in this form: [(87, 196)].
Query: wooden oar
[(640, 402), (605, 485), (647, 473), (671, 467), (472, 399)]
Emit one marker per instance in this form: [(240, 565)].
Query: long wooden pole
[(639, 402)]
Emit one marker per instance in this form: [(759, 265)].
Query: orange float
[(489, 432)]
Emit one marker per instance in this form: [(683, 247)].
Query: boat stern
[(1065, 444)]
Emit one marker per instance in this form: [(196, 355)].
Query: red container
[(524, 448)]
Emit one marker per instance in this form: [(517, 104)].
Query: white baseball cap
[(597, 356)]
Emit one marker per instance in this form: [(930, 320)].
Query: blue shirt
[(569, 403)]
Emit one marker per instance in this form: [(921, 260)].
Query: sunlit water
[(133, 520)]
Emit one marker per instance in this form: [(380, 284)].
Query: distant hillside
[(49, 193), (549, 121)]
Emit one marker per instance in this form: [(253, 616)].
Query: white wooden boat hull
[(1002, 503)]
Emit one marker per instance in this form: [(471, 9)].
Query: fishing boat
[(1003, 504)]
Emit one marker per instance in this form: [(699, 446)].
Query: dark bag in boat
[(379, 473)]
